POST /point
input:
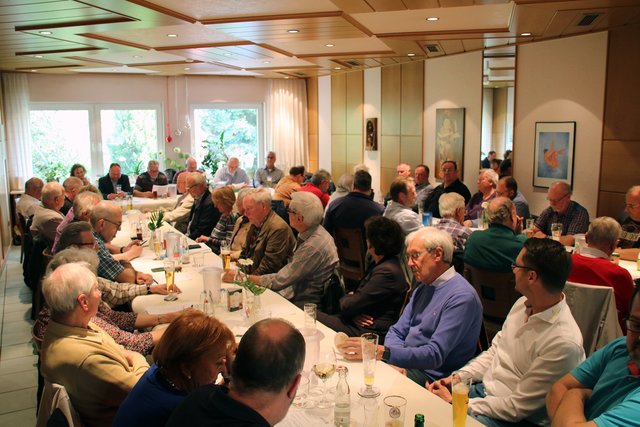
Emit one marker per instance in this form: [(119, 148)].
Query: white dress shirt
[(525, 358)]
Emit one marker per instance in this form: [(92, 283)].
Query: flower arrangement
[(485, 215), (244, 280), (155, 220)]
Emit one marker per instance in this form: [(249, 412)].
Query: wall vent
[(432, 48), (588, 19), (353, 63)]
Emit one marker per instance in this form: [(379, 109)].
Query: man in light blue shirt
[(231, 174)]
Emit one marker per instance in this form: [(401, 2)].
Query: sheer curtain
[(15, 87), (287, 115)]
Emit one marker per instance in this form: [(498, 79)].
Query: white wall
[(487, 120), (372, 108), (324, 123), (561, 80), (454, 82)]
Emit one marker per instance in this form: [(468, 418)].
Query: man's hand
[(202, 239), (132, 250), (441, 388), (351, 348), (363, 320), (143, 278)]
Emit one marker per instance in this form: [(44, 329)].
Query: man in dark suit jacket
[(203, 216), (107, 184)]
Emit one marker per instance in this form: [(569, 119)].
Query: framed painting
[(449, 138), (553, 154), (371, 135)]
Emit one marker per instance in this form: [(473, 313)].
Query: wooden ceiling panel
[(387, 5), (353, 6), (451, 47)]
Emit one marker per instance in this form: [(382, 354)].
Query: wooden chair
[(22, 229), (497, 293), (37, 300), (351, 252)]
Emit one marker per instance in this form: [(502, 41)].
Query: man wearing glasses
[(605, 389), (630, 222), (539, 342), (573, 217)]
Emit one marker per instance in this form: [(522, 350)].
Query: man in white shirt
[(538, 344), (31, 198), (47, 217), (232, 174), (403, 194)]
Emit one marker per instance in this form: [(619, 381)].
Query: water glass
[(427, 218), (301, 399), (481, 223), (369, 356), (395, 407), (310, 311), (198, 259), (556, 231)]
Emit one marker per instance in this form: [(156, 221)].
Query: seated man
[(190, 166), (403, 194), (96, 372), (452, 209), (304, 278), (266, 374), (179, 215), (352, 210), (375, 304), (270, 175), (497, 247), (71, 186), (231, 174), (604, 390), (108, 183), (146, 180), (106, 219), (539, 342), (269, 242), (508, 187), (403, 170), (423, 186), (573, 217), (438, 330), (450, 184), (47, 217), (630, 221), (289, 184), (592, 266), (203, 215), (319, 185), (82, 205), (30, 200), (487, 183)]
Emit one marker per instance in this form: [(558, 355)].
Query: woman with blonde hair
[(192, 352), (223, 199)]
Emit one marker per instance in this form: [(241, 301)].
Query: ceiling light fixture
[(293, 31), (525, 34), (266, 62), (432, 18), (172, 35), (188, 60), (45, 33), (34, 71), (337, 68), (137, 56), (411, 54), (37, 56), (329, 45), (227, 54), (186, 68)]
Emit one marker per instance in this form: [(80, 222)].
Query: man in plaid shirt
[(573, 217), (452, 207)]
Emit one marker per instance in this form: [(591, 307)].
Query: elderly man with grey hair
[(592, 266), (203, 215), (438, 330), (96, 372), (487, 184), (47, 217), (319, 185), (630, 222), (82, 205), (71, 187), (232, 174), (30, 200), (452, 211), (146, 180), (497, 247), (269, 175), (573, 217), (304, 278)]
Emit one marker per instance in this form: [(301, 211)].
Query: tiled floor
[(18, 376)]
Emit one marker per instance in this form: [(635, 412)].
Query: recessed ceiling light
[(411, 54), (266, 62), (227, 54), (137, 56), (432, 18), (188, 60), (172, 35), (337, 68), (34, 71), (293, 31), (186, 68), (115, 69), (329, 45), (45, 33), (525, 34), (37, 56)]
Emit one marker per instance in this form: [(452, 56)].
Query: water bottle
[(418, 421), (342, 414)]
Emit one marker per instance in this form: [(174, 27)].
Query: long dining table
[(321, 339)]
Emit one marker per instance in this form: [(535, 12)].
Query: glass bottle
[(418, 420), (342, 412)]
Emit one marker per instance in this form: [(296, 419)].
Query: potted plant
[(215, 154)]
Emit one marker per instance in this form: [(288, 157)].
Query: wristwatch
[(386, 354), (148, 288)]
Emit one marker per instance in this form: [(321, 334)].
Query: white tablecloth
[(145, 204), (419, 400), (631, 267)]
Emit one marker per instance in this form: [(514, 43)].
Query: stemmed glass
[(369, 356), (324, 369)]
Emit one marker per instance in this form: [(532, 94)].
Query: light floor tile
[(13, 338), (25, 417), (18, 350), (18, 316), (21, 307), (20, 364), (18, 381), (18, 400)]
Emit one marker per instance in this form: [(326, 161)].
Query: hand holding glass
[(369, 356), (460, 386)]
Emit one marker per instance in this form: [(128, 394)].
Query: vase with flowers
[(251, 291)]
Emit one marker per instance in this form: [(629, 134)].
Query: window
[(242, 132), (94, 136)]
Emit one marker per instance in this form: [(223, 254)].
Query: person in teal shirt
[(497, 247), (604, 390)]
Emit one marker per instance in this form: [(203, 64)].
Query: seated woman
[(121, 326), (192, 352), (79, 171), (375, 304), (487, 183), (223, 199)]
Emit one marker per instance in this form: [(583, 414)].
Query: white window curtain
[(287, 118), (15, 87)]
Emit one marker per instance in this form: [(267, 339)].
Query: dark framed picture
[(449, 138), (553, 153), (371, 135)]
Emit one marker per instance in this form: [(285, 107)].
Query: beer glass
[(369, 356), (460, 386), (169, 274)]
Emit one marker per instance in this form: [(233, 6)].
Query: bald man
[(573, 217)]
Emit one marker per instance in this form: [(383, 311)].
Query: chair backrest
[(55, 397), (496, 291), (351, 252), (594, 309), (169, 173), (333, 291)]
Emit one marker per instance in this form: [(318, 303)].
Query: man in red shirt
[(592, 266), (319, 185)]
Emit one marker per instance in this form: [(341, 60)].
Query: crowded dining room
[(331, 213)]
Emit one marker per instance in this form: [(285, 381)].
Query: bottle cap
[(419, 417)]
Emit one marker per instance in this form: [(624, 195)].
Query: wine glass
[(369, 356), (324, 369)]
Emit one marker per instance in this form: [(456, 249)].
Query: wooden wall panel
[(312, 107), (620, 165), (347, 97), (354, 100), (412, 101), (5, 213), (411, 150), (338, 104), (391, 100), (610, 204)]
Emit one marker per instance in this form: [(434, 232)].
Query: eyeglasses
[(93, 244), (514, 266), (557, 200), (117, 224), (633, 325), (631, 206), (415, 256)]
